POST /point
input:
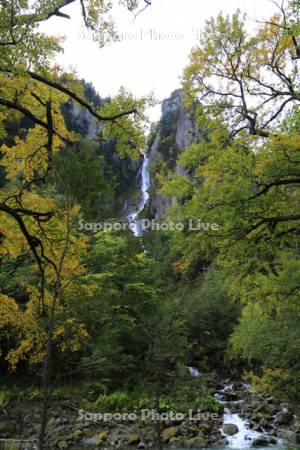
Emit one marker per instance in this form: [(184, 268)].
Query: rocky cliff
[(125, 171), (175, 131)]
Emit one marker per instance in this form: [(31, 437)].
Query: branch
[(148, 3), (77, 99), (32, 241), (273, 221), (35, 119), (275, 183), (56, 12)]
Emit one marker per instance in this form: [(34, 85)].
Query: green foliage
[(117, 401), (144, 309), (208, 401), (14, 276), (268, 336), (10, 393), (244, 176), (79, 173), (134, 401), (124, 298), (140, 399), (211, 315)]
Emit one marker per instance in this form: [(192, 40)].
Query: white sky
[(145, 63)]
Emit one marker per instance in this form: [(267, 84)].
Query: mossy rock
[(169, 433), (134, 438), (102, 437)]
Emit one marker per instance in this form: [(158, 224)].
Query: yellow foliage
[(268, 382)]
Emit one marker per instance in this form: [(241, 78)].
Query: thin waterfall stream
[(135, 223)]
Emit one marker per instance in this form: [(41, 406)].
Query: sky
[(154, 47)]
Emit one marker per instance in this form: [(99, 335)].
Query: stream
[(237, 427), (245, 436)]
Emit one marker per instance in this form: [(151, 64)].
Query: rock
[(215, 438), (134, 438), (284, 417), (263, 423), (51, 422), (7, 426), (261, 441), (230, 429), (175, 442), (291, 437), (92, 440), (168, 433), (193, 430), (205, 427), (88, 432), (221, 443), (195, 442), (230, 396), (297, 426), (12, 445), (102, 437), (76, 434), (183, 428)]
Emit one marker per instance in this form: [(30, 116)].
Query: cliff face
[(125, 171), (174, 132)]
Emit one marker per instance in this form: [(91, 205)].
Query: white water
[(135, 224), (245, 436), (194, 372)]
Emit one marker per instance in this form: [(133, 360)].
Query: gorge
[(114, 334)]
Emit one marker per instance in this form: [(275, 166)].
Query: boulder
[(195, 442), (297, 425), (205, 427), (284, 418), (102, 437), (261, 441), (175, 442), (230, 429), (220, 443), (168, 433), (291, 437), (134, 438), (76, 434)]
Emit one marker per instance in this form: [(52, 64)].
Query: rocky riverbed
[(245, 420)]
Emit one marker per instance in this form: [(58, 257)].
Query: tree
[(245, 175), (248, 81), (33, 218)]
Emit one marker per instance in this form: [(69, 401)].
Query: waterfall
[(135, 223)]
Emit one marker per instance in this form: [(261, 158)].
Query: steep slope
[(175, 131)]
